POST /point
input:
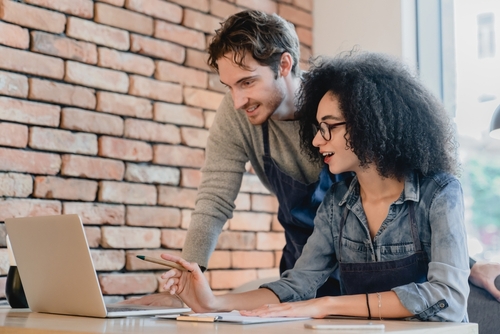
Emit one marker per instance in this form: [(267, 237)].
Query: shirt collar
[(411, 191)]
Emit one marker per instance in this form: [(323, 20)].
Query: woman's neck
[(375, 188)]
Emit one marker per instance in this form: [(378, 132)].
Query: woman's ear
[(286, 64)]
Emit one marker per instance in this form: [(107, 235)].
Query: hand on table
[(483, 275), (314, 308)]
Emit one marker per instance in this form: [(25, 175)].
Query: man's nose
[(239, 99)]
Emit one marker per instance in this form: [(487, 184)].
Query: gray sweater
[(233, 141)]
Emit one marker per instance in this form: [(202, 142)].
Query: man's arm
[(225, 159)]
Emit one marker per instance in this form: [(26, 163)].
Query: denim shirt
[(439, 213)]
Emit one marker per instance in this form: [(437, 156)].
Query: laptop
[(57, 272)]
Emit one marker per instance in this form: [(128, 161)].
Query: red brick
[(222, 9), (201, 5), (176, 197), (63, 47), (220, 260), (230, 279), (13, 84), (88, 121), (152, 174), (305, 36), (92, 168), (124, 105), (72, 189), (127, 62), (236, 240), (17, 185), (29, 112), (173, 239), (29, 162), (267, 6), (97, 33), (12, 208), (62, 141), (215, 84), (158, 49), (157, 8), (96, 213), (153, 216), (133, 263), (275, 225), (108, 260), (82, 8), (123, 18), (130, 237), (118, 3), (178, 156), (180, 35), (13, 35), (264, 203), (184, 75), (128, 193), (199, 21), (209, 117), (304, 4), (194, 137), (97, 77), (202, 98), (32, 63), (113, 284), (190, 178), (154, 89), (296, 16), (252, 259), (14, 135), (186, 218), (197, 59), (93, 235), (252, 184), (32, 17), (125, 149), (305, 53), (55, 92), (270, 241), (250, 221), (152, 131), (178, 114), (242, 202)]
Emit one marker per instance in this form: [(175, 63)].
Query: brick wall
[(105, 108)]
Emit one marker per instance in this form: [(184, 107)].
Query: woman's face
[(335, 153)]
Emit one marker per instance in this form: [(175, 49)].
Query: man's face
[(254, 90)]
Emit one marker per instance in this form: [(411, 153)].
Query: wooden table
[(24, 322)]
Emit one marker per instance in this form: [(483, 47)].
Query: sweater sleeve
[(221, 180)]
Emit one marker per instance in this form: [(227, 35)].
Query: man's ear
[(286, 64)]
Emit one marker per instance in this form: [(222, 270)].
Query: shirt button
[(441, 305)]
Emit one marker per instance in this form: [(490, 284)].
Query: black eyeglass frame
[(326, 129)]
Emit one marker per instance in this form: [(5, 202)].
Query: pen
[(162, 262), (199, 318)]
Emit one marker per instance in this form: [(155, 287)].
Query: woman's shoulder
[(440, 179)]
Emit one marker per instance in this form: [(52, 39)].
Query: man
[(257, 58)]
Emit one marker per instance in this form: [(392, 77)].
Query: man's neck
[(286, 110)]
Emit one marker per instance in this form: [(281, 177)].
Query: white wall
[(372, 25)]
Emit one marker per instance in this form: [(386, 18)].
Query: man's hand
[(483, 275)]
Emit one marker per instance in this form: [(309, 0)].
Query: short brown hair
[(265, 36)]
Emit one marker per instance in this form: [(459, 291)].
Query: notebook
[(57, 272)]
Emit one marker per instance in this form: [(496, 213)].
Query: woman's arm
[(192, 286), (376, 306)]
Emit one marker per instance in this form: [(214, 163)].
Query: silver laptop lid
[(55, 265)]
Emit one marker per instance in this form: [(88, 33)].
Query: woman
[(395, 229)]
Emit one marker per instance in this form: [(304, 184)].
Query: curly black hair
[(392, 120)]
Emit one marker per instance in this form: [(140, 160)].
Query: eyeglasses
[(325, 129)]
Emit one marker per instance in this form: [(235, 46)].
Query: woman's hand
[(315, 308), (483, 275), (191, 285)]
